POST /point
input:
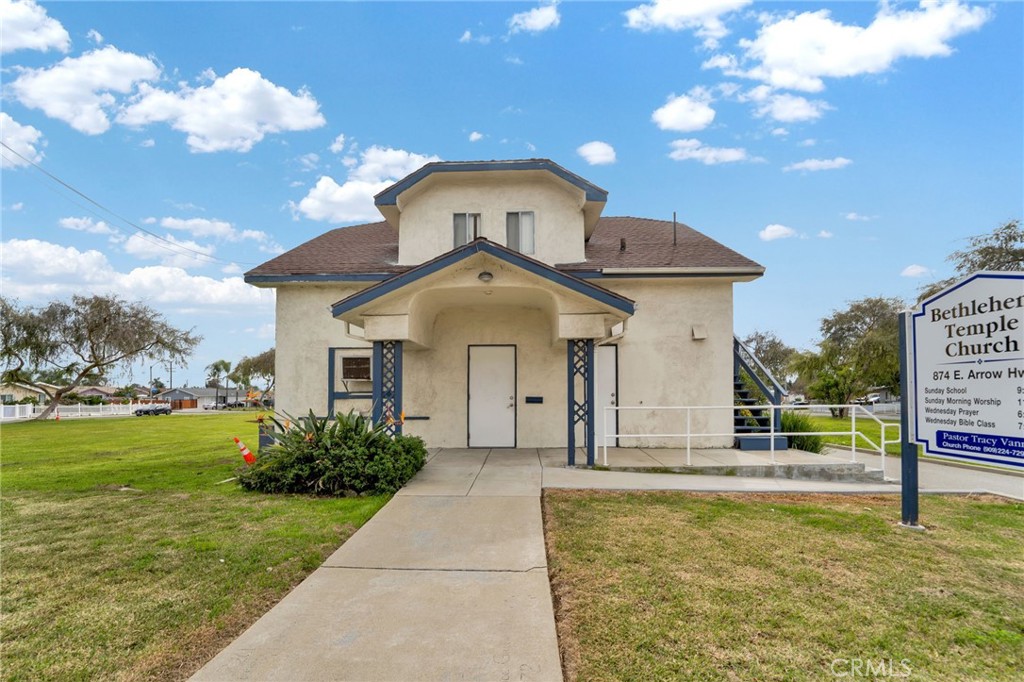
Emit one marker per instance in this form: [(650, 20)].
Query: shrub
[(797, 421), (346, 455)]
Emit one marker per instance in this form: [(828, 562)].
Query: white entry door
[(606, 392), (492, 396)]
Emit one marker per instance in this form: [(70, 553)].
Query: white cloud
[(147, 143), (535, 20), (378, 168), (338, 146), (17, 206), (791, 108), (813, 165), (915, 271), (190, 255), (95, 36), (468, 37), (475, 136), (39, 271), (776, 231), (798, 51), (77, 90), (23, 139), (86, 225), (685, 113), (597, 153), (514, 60), (221, 230), (690, 149), (825, 234), (202, 227), (26, 26), (309, 162), (704, 17), (853, 215), (232, 113), (809, 142), (779, 132), (232, 269)]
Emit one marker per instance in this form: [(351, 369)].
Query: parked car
[(152, 410), (213, 406)]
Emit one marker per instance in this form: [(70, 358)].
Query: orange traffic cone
[(246, 454), (57, 418)]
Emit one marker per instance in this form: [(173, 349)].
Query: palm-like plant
[(214, 371)]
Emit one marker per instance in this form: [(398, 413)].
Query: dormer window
[(519, 231), (466, 228)]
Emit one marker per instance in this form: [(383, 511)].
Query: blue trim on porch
[(389, 197), (502, 253), (580, 357), (387, 385)]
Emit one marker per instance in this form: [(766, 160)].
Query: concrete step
[(848, 472), (760, 443)]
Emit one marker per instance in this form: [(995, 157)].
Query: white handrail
[(772, 433)]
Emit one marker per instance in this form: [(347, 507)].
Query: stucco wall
[(426, 224), (436, 379), (661, 364), (305, 330)]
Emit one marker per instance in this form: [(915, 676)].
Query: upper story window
[(519, 231), (466, 228)]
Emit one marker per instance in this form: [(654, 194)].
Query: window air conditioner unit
[(355, 369)]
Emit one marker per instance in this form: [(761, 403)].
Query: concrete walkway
[(447, 582)]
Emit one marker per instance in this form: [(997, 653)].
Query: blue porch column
[(580, 357), (387, 385)]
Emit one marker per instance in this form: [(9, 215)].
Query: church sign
[(968, 371)]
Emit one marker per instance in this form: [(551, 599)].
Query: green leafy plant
[(796, 422), (322, 456)]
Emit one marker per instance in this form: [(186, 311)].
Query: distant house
[(16, 392), (494, 306), (104, 392), (184, 397)]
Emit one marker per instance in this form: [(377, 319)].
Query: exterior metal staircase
[(752, 424)]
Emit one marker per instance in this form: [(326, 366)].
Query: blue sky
[(848, 147)]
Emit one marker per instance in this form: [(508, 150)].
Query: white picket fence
[(13, 412)]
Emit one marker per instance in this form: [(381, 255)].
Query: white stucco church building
[(494, 306)]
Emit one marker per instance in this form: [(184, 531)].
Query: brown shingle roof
[(373, 248), (649, 245)]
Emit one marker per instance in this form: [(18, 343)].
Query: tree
[(87, 337), (773, 353), (214, 371), (1001, 249), (858, 351), (259, 367)]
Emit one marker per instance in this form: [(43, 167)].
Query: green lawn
[(866, 425), (123, 554), (658, 586)]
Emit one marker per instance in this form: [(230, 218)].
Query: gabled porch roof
[(482, 273), (481, 245)]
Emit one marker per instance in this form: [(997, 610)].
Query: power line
[(167, 244)]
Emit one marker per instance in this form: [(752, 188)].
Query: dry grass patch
[(771, 587)]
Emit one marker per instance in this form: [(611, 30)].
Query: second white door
[(492, 396)]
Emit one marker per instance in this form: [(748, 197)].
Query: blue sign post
[(908, 449)]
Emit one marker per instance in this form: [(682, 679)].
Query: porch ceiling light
[(485, 276)]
